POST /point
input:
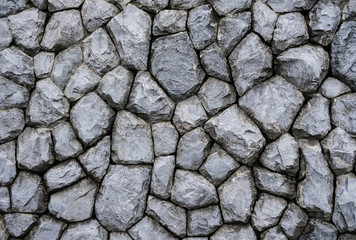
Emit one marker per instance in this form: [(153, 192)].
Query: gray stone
[(17, 66), (162, 176), (264, 20), (324, 19), (332, 88), (196, 238), (237, 196), (291, 30), (28, 193), (96, 13), (47, 228), (250, 55), (274, 233), (232, 232), (5, 203), (282, 155), (12, 95), (4, 234), (165, 138), (40, 4), (342, 111), (58, 5), (186, 4), (293, 221), (9, 7), (223, 7), (115, 87), (189, 114), (305, 67), (154, 6), (347, 236), (313, 120), (148, 100), (131, 32), (214, 62), (319, 229), (191, 190), (47, 104), (65, 64), (281, 6), (149, 229), (12, 123), (167, 214), (100, 52), (202, 25), (63, 175), (18, 224), (64, 29), (131, 140), (340, 151), (7, 163), (344, 211), (91, 118), (315, 192), (169, 21), (204, 221), (274, 183), (119, 236), (175, 65), (83, 81), (5, 33), (43, 64), (96, 159), (90, 229), (349, 10), (267, 211), (34, 149), (232, 29), (74, 203), (121, 200)]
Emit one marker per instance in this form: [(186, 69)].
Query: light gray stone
[(342, 111), (7, 163), (18, 224), (169, 21), (120, 3), (162, 176), (47, 228), (12, 123), (282, 6), (319, 229), (186, 4), (12, 95), (43, 64), (58, 5), (154, 6), (332, 88), (223, 7), (40, 4), (293, 221), (214, 62), (274, 233), (5, 33), (204, 221), (165, 138), (236, 231), (5, 202), (9, 7), (264, 20), (119, 236), (90, 229)]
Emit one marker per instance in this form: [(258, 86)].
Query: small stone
[(58, 5), (83, 81), (291, 30), (293, 221), (162, 176), (96, 159), (96, 13), (131, 140), (5, 203), (267, 211), (204, 221), (18, 224), (319, 229), (34, 149), (9, 7), (154, 6), (282, 6), (342, 111), (43, 64), (121, 200), (90, 229), (17, 66), (119, 236), (12, 123), (264, 20), (186, 4), (223, 7), (169, 22), (175, 65), (309, 66), (214, 62), (64, 29), (324, 20), (232, 29), (191, 190), (74, 203), (131, 32), (47, 104), (148, 100), (165, 138), (63, 175), (232, 232), (237, 134), (274, 183), (40, 4), (115, 87), (332, 88), (91, 118), (5, 33), (100, 52), (28, 193), (47, 228), (7, 163), (12, 95), (167, 214)]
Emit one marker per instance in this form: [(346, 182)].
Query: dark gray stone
[(282, 6), (349, 10), (223, 7), (43, 64), (12, 95), (18, 224), (332, 88), (293, 221), (165, 138), (169, 21), (204, 221), (342, 111), (58, 5), (236, 231), (5, 33), (40, 4), (7, 163), (12, 122), (90, 229), (154, 6), (47, 228), (264, 20), (319, 229), (5, 202), (162, 176)]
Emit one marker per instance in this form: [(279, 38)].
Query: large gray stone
[(18, 224), (43, 64), (90, 229), (47, 228), (282, 6), (7, 163), (162, 176), (319, 229), (343, 110), (223, 7), (233, 232), (58, 5), (5, 33), (332, 88), (12, 123), (12, 95), (204, 221), (165, 138), (9, 7), (293, 221), (169, 21), (264, 20)]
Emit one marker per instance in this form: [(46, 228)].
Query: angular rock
[(47, 104), (64, 29), (28, 194), (236, 231), (154, 6), (264, 20), (12, 123), (282, 6), (18, 224), (214, 62), (274, 233), (5, 202), (165, 138), (34, 149), (85, 230), (293, 221), (224, 7), (7, 163), (204, 221), (342, 111), (119, 236), (121, 200), (309, 63), (319, 229), (148, 100), (12, 95), (162, 176), (43, 64), (47, 228), (40, 4), (58, 5), (186, 4), (63, 175), (169, 22), (131, 140), (91, 118), (96, 159), (175, 65), (349, 10), (100, 52), (5, 33), (131, 32), (74, 203), (332, 88), (191, 190), (237, 134), (9, 7), (121, 4)]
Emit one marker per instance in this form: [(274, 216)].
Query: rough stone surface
[(224, 7), (236, 231), (43, 64), (84, 230), (47, 228), (169, 22), (6, 37), (186, 4), (204, 221), (18, 224), (5, 202), (162, 176), (282, 6), (293, 221), (214, 62), (7, 163), (57, 5), (12, 123), (274, 233), (332, 88), (264, 20), (165, 138), (12, 95), (343, 110), (319, 229)]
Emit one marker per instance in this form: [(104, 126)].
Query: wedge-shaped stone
[(43, 64), (162, 176), (12, 95), (12, 122), (264, 20), (319, 229), (169, 21), (57, 5), (47, 228), (214, 62), (332, 88), (293, 221), (204, 221)]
